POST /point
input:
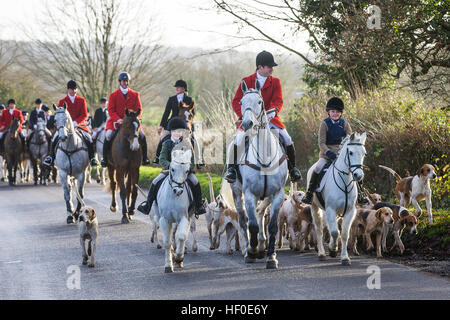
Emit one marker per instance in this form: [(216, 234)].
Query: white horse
[(172, 208), (264, 174), (71, 159), (339, 194)]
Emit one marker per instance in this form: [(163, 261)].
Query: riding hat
[(24, 112), (45, 108), (71, 85), (38, 101), (265, 58), (103, 100), (181, 83), (11, 101), (335, 104), (2, 106), (124, 76), (176, 123)]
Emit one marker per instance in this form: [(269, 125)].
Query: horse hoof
[(158, 246), (168, 270), (322, 258), (248, 259), (252, 255), (113, 209), (272, 264), (125, 220), (346, 262), (179, 265), (76, 215), (261, 255), (70, 220), (333, 253), (131, 212)]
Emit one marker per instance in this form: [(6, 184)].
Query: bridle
[(350, 169), (258, 117), (172, 182)]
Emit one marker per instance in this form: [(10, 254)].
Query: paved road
[(38, 248)]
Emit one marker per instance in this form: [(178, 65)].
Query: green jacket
[(166, 153)]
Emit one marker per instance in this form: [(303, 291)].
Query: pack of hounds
[(295, 223)]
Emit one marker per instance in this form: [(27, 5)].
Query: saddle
[(320, 179)]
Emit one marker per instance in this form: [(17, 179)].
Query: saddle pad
[(186, 185)]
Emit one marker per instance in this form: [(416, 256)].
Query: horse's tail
[(395, 174), (227, 194), (211, 189)]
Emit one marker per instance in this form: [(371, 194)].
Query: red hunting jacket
[(6, 118), (77, 110), (117, 105), (271, 93)]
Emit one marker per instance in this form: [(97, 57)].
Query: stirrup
[(48, 161)]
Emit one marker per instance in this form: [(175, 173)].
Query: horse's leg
[(123, 196), (250, 206), (193, 230), (112, 184), (317, 220), (348, 220), (67, 187), (237, 197), (166, 229), (334, 232), (81, 180), (260, 211), (276, 202), (35, 170), (134, 178), (180, 238)]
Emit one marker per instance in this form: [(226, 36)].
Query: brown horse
[(124, 161), (186, 112), (13, 150)]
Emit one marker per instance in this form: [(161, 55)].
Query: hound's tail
[(368, 195), (75, 186), (395, 174), (293, 188), (227, 194), (211, 189)]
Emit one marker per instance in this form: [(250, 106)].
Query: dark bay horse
[(186, 112), (123, 163), (13, 150)]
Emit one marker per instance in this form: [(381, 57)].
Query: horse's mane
[(344, 141)]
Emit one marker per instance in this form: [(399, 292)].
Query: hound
[(402, 218), (373, 199), (414, 189), (367, 222)]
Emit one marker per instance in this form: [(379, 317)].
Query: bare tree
[(92, 41)]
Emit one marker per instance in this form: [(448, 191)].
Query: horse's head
[(354, 152), (252, 106), (40, 127), (14, 127), (130, 128), (179, 169), (63, 121)]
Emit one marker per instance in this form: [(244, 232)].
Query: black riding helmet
[(176, 123), (335, 104), (124, 76), (265, 58), (181, 83), (2, 107), (71, 85), (103, 100)]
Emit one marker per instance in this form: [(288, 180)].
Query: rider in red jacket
[(6, 117), (77, 108), (121, 99), (273, 98)]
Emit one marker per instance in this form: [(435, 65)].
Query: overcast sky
[(182, 21)]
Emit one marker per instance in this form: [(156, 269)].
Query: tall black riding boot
[(143, 141), (48, 161), (91, 151), (199, 204), (232, 167), (158, 152), (293, 171), (106, 149), (312, 186), (146, 206)]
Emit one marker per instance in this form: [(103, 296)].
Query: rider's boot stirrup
[(293, 171), (232, 167), (146, 206)]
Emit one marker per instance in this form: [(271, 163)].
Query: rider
[(100, 117), (121, 99), (77, 108), (5, 121), (170, 112), (331, 133), (36, 113), (177, 127), (272, 96)]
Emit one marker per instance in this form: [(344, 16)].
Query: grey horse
[(71, 159), (38, 150), (172, 208), (264, 175)]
